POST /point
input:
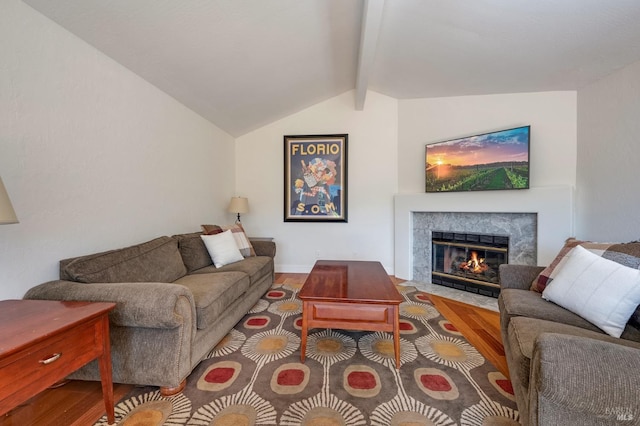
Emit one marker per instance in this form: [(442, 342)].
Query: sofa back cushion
[(157, 260), (193, 251)]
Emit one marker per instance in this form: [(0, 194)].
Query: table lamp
[(7, 214), (239, 205)]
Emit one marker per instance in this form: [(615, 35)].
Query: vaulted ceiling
[(245, 63)]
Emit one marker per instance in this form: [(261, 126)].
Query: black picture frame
[(315, 178)]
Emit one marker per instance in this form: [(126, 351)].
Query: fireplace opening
[(468, 261)]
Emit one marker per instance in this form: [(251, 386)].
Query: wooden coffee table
[(43, 341), (350, 295)]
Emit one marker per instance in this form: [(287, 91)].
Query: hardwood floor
[(79, 403), (480, 326)]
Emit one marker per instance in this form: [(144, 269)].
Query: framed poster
[(315, 178)]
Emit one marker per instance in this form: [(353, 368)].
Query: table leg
[(303, 342), (396, 334), (105, 371)]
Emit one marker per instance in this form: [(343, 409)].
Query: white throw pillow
[(603, 292), (222, 248)]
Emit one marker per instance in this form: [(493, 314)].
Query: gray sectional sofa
[(173, 304), (565, 370)]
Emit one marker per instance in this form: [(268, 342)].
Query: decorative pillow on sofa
[(222, 248), (545, 277), (627, 254), (244, 245), (211, 229), (600, 290)]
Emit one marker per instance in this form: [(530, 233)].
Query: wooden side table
[(43, 341)]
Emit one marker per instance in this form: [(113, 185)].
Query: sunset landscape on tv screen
[(489, 161)]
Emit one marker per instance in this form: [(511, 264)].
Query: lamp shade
[(7, 214), (239, 205)]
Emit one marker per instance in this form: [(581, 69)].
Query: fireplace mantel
[(553, 206)]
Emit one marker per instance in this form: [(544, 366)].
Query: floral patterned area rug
[(254, 375)]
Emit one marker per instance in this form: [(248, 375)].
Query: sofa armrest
[(518, 276), (264, 248), (148, 305), (584, 381)]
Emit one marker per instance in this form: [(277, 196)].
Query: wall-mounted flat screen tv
[(489, 161)]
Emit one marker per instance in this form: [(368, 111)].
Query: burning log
[(475, 264)]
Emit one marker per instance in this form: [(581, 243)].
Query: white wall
[(372, 182), (607, 196), (93, 157), (552, 116)]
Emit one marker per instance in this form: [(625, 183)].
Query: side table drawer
[(33, 369)]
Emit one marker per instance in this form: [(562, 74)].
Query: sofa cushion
[(524, 303), (523, 332), (193, 251), (157, 260), (213, 293), (601, 291), (256, 267)]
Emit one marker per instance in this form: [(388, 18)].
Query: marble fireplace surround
[(521, 228), (553, 207)]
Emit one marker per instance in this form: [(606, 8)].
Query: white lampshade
[(7, 214), (239, 205)]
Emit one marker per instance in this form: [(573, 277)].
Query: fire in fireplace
[(468, 261)]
